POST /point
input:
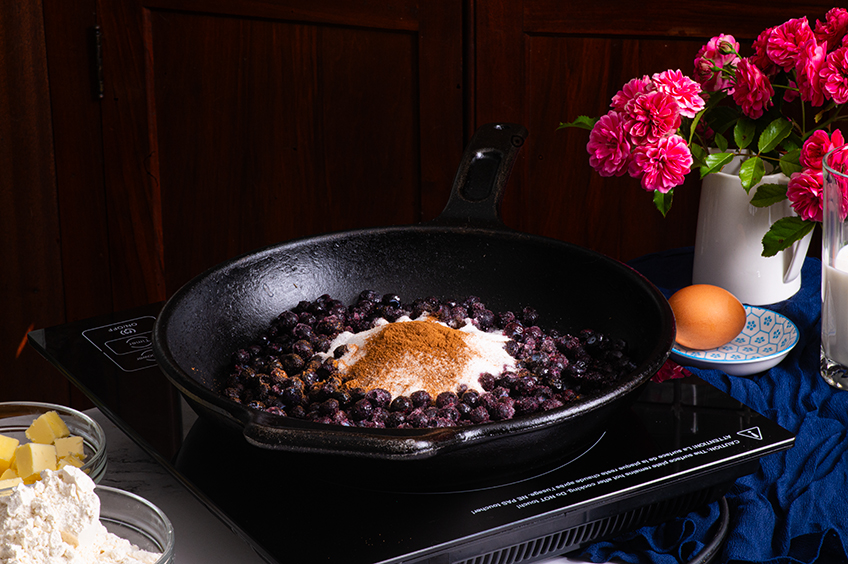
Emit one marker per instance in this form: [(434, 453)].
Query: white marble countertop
[(201, 537)]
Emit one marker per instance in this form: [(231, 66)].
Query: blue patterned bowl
[(765, 340)]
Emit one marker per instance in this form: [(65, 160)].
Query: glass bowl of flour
[(65, 513), (133, 518)]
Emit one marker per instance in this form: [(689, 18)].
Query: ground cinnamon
[(424, 352)]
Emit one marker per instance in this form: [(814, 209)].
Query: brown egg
[(707, 316)]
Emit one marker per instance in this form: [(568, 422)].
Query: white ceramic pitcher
[(728, 241)]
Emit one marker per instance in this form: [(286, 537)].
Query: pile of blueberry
[(281, 373)]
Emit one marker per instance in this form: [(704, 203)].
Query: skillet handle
[(480, 181)]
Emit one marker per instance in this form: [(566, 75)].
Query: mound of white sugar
[(57, 521)]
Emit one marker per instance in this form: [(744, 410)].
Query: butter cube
[(8, 474), (32, 458), (7, 451), (69, 446), (69, 461), (47, 428), (8, 485)]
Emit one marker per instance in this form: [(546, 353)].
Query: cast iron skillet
[(466, 251)]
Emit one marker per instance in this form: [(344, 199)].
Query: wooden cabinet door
[(234, 124), (542, 62)]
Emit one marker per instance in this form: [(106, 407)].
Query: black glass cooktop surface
[(680, 446)]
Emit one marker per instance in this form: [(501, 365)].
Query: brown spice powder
[(428, 351)]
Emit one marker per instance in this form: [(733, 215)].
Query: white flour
[(57, 521)]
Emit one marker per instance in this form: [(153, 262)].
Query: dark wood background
[(227, 125)]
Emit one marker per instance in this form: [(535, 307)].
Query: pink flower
[(810, 61), (633, 89), (834, 28), (652, 116), (791, 94), (663, 164), (760, 56), (785, 41), (834, 75), (753, 90), (838, 161), (609, 148), (720, 52), (682, 88), (806, 195), (817, 146)]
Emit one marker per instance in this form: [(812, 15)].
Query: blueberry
[(550, 404), (309, 377), (286, 320), (417, 418), (502, 412), (449, 412), (471, 398), (242, 356), (292, 396), (303, 331), (362, 409), (322, 343), (392, 300), (292, 363), (479, 415), (303, 349), (487, 381), (420, 398), (513, 331), (369, 296), (379, 397), (395, 419), (330, 325), (306, 318), (341, 350), (329, 407), (446, 399), (526, 406), (401, 404), (529, 316)]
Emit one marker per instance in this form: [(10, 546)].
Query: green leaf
[(582, 122), (744, 132), (721, 118), (699, 155), (751, 172), (714, 162), (783, 233), (721, 142), (791, 162), (768, 194), (663, 201), (773, 134)]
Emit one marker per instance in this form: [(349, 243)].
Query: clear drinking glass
[(834, 318)]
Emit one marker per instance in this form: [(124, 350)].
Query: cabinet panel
[(266, 131), (242, 124)]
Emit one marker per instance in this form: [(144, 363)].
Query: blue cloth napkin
[(795, 507)]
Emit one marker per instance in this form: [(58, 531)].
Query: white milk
[(835, 309)]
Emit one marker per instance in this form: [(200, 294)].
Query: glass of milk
[(834, 337)]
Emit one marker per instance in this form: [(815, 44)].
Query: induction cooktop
[(679, 447)]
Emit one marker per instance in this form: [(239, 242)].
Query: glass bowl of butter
[(36, 436)]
